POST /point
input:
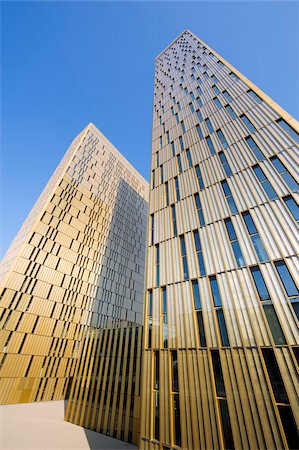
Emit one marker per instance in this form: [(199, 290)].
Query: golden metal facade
[(105, 394), (77, 262), (220, 359)]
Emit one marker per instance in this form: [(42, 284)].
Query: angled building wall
[(77, 262), (220, 361), (105, 394)]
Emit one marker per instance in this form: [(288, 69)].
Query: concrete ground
[(41, 426)]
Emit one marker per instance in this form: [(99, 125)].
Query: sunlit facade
[(220, 361)]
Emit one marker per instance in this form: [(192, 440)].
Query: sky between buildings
[(65, 64)]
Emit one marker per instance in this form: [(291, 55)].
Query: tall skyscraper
[(220, 361), (77, 263)]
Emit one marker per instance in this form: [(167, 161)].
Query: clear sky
[(65, 64)]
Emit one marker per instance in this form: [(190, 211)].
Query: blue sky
[(65, 64)]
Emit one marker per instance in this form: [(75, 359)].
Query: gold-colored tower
[(77, 263), (220, 362)]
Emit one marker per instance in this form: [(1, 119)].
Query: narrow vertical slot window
[(198, 249), (255, 237), (179, 163), (199, 177), (152, 228), (234, 242), (229, 197), (264, 182), (248, 124), (268, 307), (254, 147), (184, 257), (284, 173), (222, 139), (157, 265), (199, 209), (177, 189), (173, 216), (189, 158), (166, 193), (225, 164), (210, 145)]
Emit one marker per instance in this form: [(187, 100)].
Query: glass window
[(288, 129), (234, 243), (247, 122), (254, 96), (177, 188), (179, 163), (164, 300), (152, 228), (255, 238), (199, 253), (175, 374), (227, 96), (199, 102), (222, 327), (183, 127), (157, 265), (199, 90), (211, 146), (173, 216), (215, 89), (226, 425), (286, 278), (222, 138), (218, 375), (217, 102), (199, 132), (214, 78), (256, 150), (184, 257), (157, 370), (172, 149), (199, 209), (176, 419), (276, 380), (274, 324), (233, 76), (230, 111), (281, 169), (166, 193), (215, 291), (189, 158), (191, 107), (150, 302), (196, 295), (289, 426), (201, 329), (161, 173), (209, 125), (225, 164), (260, 283), (181, 143), (199, 116), (265, 183), (199, 177), (229, 197), (293, 207)]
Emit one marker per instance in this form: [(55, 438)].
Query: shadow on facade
[(117, 306)]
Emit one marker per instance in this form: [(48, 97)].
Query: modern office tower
[(77, 263), (105, 393), (221, 348)]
